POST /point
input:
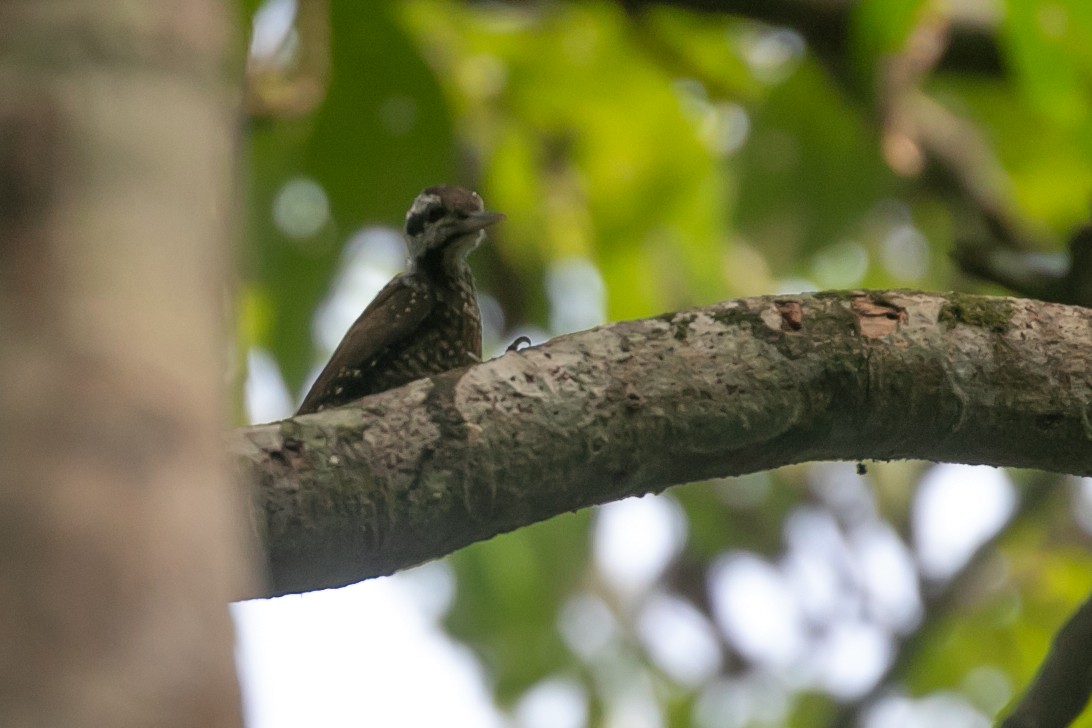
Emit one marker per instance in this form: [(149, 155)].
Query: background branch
[(826, 26), (1063, 684)]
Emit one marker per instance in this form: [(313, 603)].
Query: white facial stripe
[(422, 203)]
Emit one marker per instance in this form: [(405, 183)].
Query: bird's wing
[(392, 316)]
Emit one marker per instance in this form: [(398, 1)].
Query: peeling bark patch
[(877, 318), (792, 315)]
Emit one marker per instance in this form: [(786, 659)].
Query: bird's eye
[(415, 222)]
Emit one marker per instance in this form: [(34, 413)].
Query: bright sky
[(363, 655)]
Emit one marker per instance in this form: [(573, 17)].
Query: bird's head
[(448, 218)]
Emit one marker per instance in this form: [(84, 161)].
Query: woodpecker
[(424, 321)]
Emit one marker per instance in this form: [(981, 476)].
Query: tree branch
[(635, 407), (1061, 688), (1060, 278), (826, 26)]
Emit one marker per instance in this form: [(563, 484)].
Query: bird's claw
[(514, 346)]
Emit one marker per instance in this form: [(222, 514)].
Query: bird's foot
[(514, 346)]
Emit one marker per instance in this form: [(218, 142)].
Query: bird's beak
[(479, 221)]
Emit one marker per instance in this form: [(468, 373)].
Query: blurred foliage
[(380, 134), (689, 157)]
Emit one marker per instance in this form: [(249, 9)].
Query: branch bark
[(635, 407)]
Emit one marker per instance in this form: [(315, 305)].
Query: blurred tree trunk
[(117, 534)]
